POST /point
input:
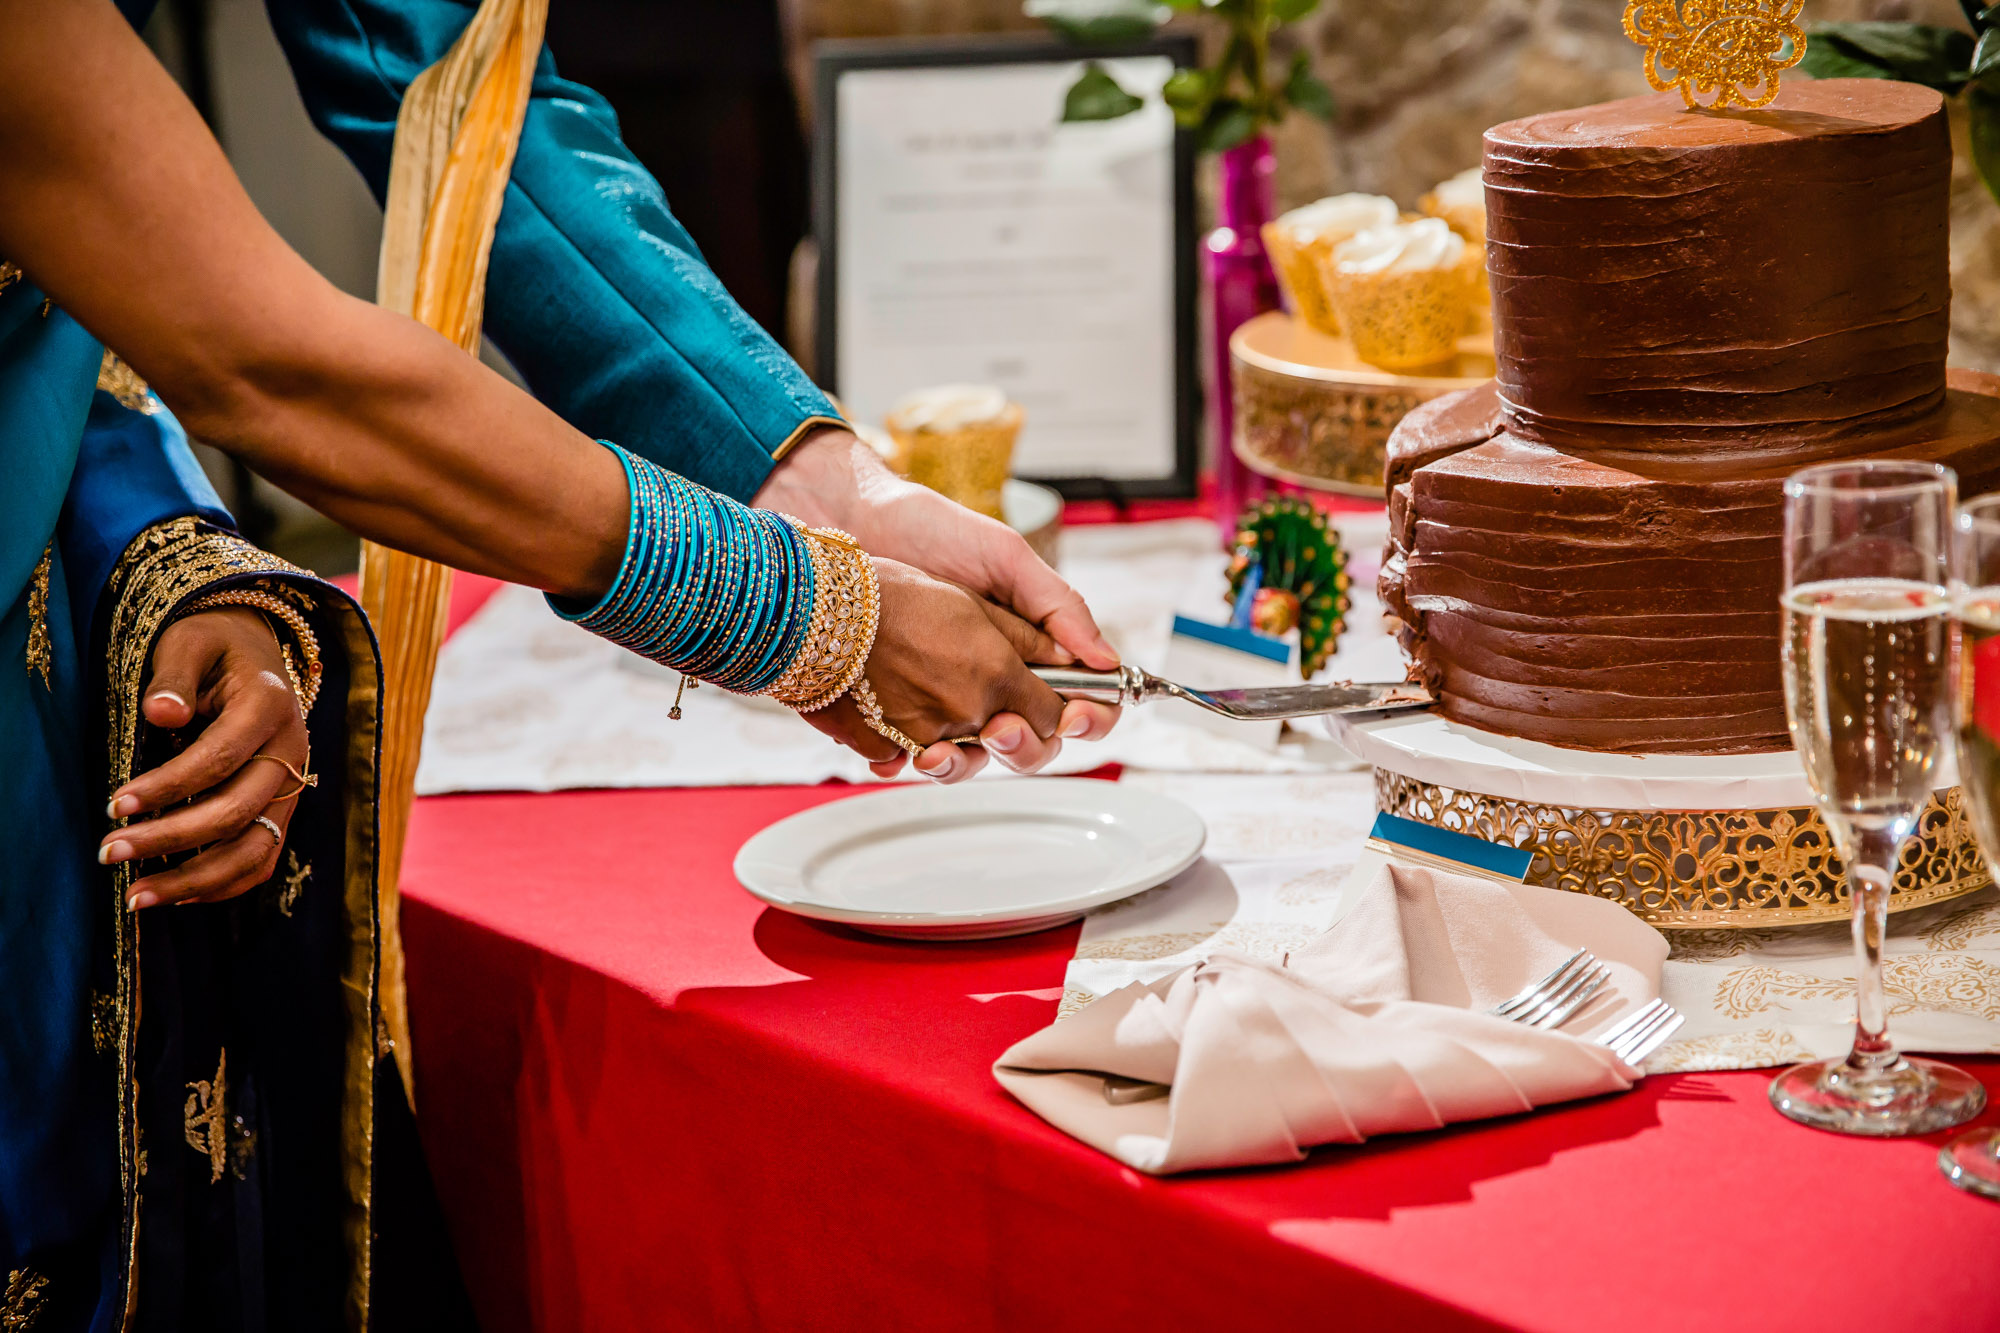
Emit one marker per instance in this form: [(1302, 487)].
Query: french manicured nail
[(143, 898), (1074, 727), (931, 768), (111, 853), (1104, 647), (122, 806), (168, 695), (1006, 740)]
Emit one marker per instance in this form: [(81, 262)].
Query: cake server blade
[(1264, 703)]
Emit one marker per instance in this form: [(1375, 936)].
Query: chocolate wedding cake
[(1687, 307)]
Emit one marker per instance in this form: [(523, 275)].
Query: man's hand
[(223, 665), (833, 479)]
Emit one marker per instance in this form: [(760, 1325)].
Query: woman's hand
[(833, 479), (947, 666), (223, 665)]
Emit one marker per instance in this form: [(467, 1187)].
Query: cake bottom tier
[(1566, 601)]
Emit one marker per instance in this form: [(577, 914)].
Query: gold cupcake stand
[(1684, 842), (1312, 413)]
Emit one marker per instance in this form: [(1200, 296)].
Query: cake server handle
[(1126, 685)]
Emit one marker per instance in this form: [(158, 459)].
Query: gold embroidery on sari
[(296, 877), (206, 1122), (103, 1022), (123, 383), (22, 1303), (10, 273), (39, 654)]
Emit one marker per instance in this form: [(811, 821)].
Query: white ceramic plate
[(975, 861)]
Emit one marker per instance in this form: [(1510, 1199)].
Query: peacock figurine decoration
[(1289, 572)]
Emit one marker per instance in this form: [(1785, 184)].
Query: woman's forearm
[(118, 203)]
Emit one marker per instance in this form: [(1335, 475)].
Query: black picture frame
[(832, 59)]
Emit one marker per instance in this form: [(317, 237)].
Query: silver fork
[(1641, 1032), (1550, 1002)]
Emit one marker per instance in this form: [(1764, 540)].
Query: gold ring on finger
[(304, 779)]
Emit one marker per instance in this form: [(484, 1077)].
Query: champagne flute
[(1972, 1161), (1867, 656)]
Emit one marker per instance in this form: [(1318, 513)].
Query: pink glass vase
[(1241, 285)]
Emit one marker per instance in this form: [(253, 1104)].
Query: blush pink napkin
[(1378, 1026)]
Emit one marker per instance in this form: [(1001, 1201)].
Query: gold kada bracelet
[(847, 603)]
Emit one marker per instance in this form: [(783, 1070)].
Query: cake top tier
[(1677, 289), (1805, 109)]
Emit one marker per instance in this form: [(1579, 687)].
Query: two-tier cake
[(1687, 306)]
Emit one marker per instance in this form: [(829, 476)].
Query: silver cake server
[(1266, 703)]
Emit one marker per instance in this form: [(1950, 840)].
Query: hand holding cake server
[(120, 205)]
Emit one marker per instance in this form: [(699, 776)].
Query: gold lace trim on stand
[(1725, 868)]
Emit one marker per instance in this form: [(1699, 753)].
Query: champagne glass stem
[(1871, 874)]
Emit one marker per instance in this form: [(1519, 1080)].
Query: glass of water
[(1867, 666), (1972, 1161)]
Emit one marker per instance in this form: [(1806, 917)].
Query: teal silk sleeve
[(595, 292)]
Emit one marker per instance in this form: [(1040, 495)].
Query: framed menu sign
[(967, 235)]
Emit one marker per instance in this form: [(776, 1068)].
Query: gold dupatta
[(455, 141)]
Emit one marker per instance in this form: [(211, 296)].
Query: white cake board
[(1426, 748)]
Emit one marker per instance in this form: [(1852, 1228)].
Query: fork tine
[(1658, 1039), (1535, 989), (1556, 998), (1618, 1031), (1555, 1018), (1636, 1038)]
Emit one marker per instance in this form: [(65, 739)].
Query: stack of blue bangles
[(709, 586)]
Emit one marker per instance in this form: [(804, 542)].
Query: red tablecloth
[(652, 1103)]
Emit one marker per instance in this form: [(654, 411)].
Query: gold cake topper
[(1727, 51)]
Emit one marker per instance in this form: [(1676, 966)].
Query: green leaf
[(1291, 11), (1923, 53), (1828, 58), (1305, 92), (1986, 60), (1099, 22), (1985, 18), (1096, 96), (1188, 92), (1228, 123), (1984, 107)]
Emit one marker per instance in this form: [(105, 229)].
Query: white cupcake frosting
[(1401, 247), (1465, 190), (1339, 215), (948, 407)]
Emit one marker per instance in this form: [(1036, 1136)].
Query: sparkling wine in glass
[(1972, 1161), (1867, 662)]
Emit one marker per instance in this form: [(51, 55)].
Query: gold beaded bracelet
[(847, 603), (871, 713), (305, 679)]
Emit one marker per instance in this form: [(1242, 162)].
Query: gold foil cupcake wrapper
[(969, 463), (1298, 266), (1403, 320)]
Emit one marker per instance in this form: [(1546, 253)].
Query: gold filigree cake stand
[(1311, 412), (1754, 867)]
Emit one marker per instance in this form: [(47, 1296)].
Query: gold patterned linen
[(1280, 847), (1703, 868)]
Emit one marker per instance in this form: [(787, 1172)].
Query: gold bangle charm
[(871, 713), (847, 602), (305, 679)]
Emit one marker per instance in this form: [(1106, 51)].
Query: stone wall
[(1419, 82)]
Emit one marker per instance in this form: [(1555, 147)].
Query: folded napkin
[(1378, 1025)]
